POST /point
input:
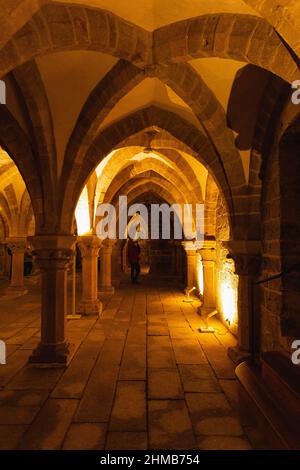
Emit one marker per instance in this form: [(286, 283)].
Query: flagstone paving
[(142, 377)]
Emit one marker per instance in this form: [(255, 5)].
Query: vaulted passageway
[(190, 105)]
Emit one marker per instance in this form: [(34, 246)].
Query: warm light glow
[(104, 162), (200, 279), (82, 214), (143, 156), (228, 302)]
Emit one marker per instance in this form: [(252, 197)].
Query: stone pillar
[(17, 246), (89, 247), (208, 255), (246, 255), (105, 272), (53, 253), (191, 253)]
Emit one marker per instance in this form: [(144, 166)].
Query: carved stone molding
[(246, 256)]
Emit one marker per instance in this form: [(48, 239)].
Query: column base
[(51, 356), (16, 290), (238, 355), (90, 307), (106, 290)]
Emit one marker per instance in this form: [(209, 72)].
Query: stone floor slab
[(50, 426), (126, 441), (169, 425), (85, 436), (164, 383), (129, 410)]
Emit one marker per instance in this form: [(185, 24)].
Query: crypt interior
[(165, 102)]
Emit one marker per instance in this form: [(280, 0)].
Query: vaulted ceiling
[(86, 78)]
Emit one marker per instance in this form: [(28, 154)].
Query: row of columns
[(54, 255), (207, 251), (246, 256)]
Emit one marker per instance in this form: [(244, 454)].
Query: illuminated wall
[(82, 213), (227, 290), (199, 275), (226, 280)]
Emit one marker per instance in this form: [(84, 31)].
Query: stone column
[(191, 253), (208, 255), (53, 253), (89, 247), (17, 246), (105, 271), (246, 255)]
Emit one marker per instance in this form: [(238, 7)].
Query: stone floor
[(142, 377)]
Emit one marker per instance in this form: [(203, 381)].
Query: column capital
[(191, 246), (246, 255), (52, 251), (89, 245), (17, 244), (208, 250), (108, 244)]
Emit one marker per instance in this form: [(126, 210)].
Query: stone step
[(277, 430), (283, 379)]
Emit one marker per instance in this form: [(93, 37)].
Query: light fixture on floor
[(207, 328), (187, 293), (73, 317)]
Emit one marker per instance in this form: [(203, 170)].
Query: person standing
[(134, 259)]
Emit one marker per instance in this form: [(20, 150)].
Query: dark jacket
[(133, 252)]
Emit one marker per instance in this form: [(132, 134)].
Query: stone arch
[(131, 173), (26, 213), (15, 142), (3, 226), (145, 183), (184, 81), (30, 84), (14, 16), (211, 201), (240, 37), (114, 135), (169, 156), (60, 27), (281, 16), (12, 203), (6, 213)]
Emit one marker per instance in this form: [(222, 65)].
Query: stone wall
[(270, 293), (279, 299)]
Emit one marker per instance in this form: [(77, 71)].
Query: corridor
[(141, 377)]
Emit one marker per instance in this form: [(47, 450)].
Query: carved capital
[(246, 256), (191, 247), (208, 251), (53, 252), (17, 244), (107, 246), (89, 246)]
